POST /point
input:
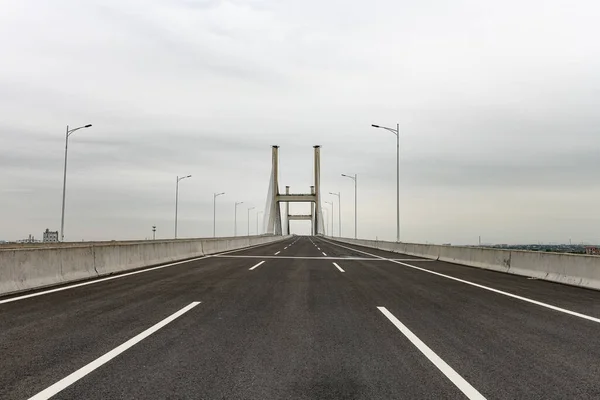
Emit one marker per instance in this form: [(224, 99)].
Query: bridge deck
[(316, 319)]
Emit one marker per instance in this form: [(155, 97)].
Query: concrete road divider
[(572, 269), (30, 268)]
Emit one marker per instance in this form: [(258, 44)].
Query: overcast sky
[(498, 104)]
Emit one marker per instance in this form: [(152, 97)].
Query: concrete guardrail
[(31, 268), (571, 269)]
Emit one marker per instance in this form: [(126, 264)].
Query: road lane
[(585, 301), (72, 378)]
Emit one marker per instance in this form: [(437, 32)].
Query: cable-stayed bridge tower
[(273, 221)]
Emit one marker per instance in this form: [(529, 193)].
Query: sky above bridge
[(497, 103)]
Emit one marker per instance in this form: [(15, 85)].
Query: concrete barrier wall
[(30, 268), (571, 269)]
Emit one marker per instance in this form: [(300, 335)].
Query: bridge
[(280, 316)]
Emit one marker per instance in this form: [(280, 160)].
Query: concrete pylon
[(317, 193), (312, 211), (287, 212), (273, 207)]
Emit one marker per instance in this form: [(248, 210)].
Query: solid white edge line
[(514, 296), (309, 258), (338, 267), (109, 278), (83, 371), (277, 253), (320, 258), (324, 253), (257, 265), (440, 364)]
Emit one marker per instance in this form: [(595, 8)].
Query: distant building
[(30, 239), (50, 236), (592, 251)]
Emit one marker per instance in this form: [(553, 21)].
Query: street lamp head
[(375, 126), (88, 126), (189, 176)]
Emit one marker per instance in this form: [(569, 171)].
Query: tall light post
[(354, 178), (257, 214), (326, 213), (397, 133), (62, 216), (332, 214), (215, 195), (249, 209), (237, 203), (339, 212), (177, 199)]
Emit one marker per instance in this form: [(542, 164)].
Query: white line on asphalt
[(309, 258), (83, 371), (338, 267), (447, 370), (318, 248), (277, 252), (140, 271), (257, 265), (514, 296), (324, 253), (324, 258)]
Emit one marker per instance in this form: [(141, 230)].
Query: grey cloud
[(498, 120), (179, 52)]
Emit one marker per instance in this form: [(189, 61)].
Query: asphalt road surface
[(304, 318)]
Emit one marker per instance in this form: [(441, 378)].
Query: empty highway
[(303, 318)]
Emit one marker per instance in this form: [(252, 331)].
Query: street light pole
[(177, 199), (332, 214), (397, 133), (257, 214), (235, 218), (215, 195), (354, 178), (251, 208), (339, 212), (62, 216)]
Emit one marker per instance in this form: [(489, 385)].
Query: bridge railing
[(41, 266), (572, 269)]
